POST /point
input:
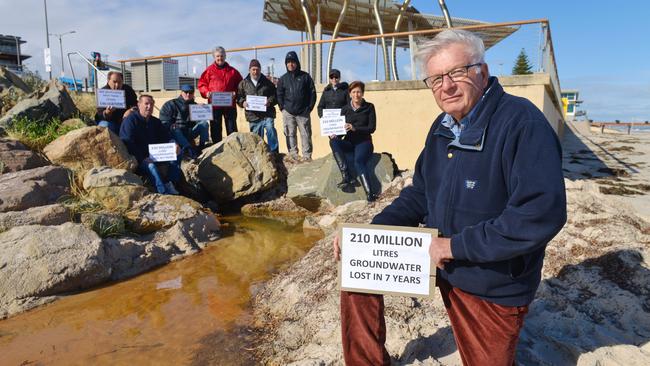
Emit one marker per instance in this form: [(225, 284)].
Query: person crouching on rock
[(175, 115), (360, 123), (138, 131)]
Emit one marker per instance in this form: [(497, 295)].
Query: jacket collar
[(473, 137)]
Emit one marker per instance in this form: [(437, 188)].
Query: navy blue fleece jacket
[(499, 195)]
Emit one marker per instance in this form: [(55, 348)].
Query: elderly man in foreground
[(490, 180)]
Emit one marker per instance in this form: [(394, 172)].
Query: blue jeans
[(362, 152), (114, 127), (182, 136), (258, 127), (173, 173)]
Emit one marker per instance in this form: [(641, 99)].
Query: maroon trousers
[(485, 333)]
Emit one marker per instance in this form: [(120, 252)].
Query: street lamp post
[(47, 36), (60, 36)]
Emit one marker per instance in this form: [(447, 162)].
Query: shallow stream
[(186, 312)]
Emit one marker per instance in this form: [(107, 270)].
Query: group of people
[(489, 178), (295, 95)]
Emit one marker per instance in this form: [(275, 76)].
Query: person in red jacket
[(220, 77)]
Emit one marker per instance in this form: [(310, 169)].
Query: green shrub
[(36, 134)]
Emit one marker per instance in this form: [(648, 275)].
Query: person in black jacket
[(335, 95), (175, 116), (296, 97), (258, 85), (360, 123), (111, 117), (138, 131)]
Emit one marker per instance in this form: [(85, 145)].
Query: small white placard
[(162, 152), (221, 99), (110, 98), (256, 103), (385, 259), (333, 125), (331, 112), (200, 112)]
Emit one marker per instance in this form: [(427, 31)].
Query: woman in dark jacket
[(335, 95), (360, 123)]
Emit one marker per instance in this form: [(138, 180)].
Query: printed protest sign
[(390, 260), (162, 152), (221, 99), (256, 103), (332, 123), (110, 98), (200, 112)]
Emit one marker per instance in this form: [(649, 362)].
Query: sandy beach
[(592, 307)]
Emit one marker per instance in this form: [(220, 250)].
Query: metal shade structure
[(367, 17)]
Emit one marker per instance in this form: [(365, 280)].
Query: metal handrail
[(74, 79)]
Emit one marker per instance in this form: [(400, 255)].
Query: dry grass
[(86, 104)]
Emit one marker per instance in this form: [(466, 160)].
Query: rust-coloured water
[(162, 317)]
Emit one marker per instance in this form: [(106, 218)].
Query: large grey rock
[(86, 148), (8, 80), (238, 166), (115, 189), (55, 214), (14, 156), (34, 187), (156, 211), (105, 176), (282, 209), (130, 256), (319, 178), (42, 261), (53, 101)]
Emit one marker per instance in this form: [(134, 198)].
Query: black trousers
[(230, 119)]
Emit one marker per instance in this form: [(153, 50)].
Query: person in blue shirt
[(138, 131), (490, 180)]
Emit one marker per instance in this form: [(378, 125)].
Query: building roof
[(360, 19), (12, 39)]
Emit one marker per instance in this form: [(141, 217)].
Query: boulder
[(53, 101), (105, 176), (34, 187), (319, 178), (282, 209), (41, 261), (89, 147), (115, 189), (8, 80), (15, 156), (238, 166), (156, 211), (130, 256), (55, 214)]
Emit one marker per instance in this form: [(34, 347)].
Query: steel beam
[(393, 47), (330, 54), (380, 27)]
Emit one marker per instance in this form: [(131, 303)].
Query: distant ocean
[(635, 128)]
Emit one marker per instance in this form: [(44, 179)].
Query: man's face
[(115, 81), (219, 58), (457, 98), (187, 95), (145, 107), (255, 72), (292, 65)]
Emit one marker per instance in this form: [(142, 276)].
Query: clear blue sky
[(606, 61)]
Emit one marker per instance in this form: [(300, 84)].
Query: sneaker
[(170, 189)]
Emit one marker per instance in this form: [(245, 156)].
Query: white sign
[(331, 112), (332, 125), (386, 259), (200, 112), (162, 152), (47, 57), (221, 99), (110, 98), (256, 103)]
